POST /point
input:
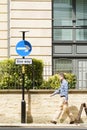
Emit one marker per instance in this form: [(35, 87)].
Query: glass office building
[(70, 38)]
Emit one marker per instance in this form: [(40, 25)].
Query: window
[(70, 39), (81, 12), (62, 65), (62, 17), (76, 66), (62, 34), (62, 13), (70, 20), (81, 34), (82, 76)]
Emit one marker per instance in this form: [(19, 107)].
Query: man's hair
[(62, 74)]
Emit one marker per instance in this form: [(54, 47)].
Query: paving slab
[(32, 125)]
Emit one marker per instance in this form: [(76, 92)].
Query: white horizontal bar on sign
[(26, 61)]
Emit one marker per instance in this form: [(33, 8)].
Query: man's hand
[(65, 101), (51, 95)]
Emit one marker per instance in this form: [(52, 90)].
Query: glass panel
[(81, 12), (82, 65), (81, 22), (81, 34), (62, 34), (62, 49), (67, 65), (62, 65), (62, 14)]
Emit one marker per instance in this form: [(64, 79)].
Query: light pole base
[(23, 111)]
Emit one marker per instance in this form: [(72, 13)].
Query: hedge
[(53, 82), (11, 74)]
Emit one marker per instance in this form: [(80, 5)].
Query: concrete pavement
[(32, 125)]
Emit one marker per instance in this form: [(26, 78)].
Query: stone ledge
[(10, 91), (71, 91), (40, 91)]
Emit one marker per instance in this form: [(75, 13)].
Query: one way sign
[(24, 61), (23, 48)]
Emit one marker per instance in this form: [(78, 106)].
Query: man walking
[(63, 106)]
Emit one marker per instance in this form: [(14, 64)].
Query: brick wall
[(4, 29), (40, 107), (10, 106)]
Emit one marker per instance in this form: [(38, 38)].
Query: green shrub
[(11, 74), (34, 73), (71, 78), (53, 82)]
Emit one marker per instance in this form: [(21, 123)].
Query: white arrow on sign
[(26, 48)]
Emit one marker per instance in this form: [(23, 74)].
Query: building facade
[(57, 33)]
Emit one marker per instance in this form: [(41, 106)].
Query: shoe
[(72, 122), (54, 122)]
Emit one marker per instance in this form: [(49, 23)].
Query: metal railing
[(80, 70)]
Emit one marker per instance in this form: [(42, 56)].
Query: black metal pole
[(23, 77), (23, 35), (23, 103)]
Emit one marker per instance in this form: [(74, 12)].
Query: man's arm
[(56, 92)]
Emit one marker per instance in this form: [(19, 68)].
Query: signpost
[(23, 48)]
